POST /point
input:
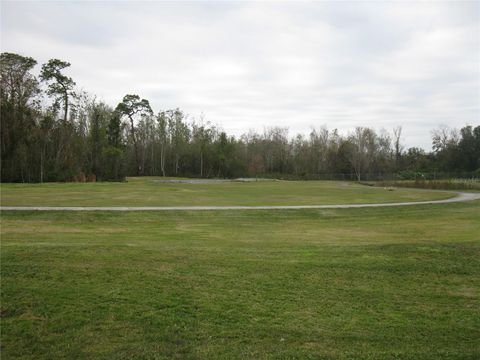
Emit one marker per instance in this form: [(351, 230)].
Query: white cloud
[(249, 65)]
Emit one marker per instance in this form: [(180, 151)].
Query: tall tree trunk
[(41, 166), (65, 116), (152, 171), (138, 169), (359, 177), (177, 159), (162, 159)]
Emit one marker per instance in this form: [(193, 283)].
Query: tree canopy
[(91, 141)]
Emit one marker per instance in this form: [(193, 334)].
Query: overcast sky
[(250, 65)]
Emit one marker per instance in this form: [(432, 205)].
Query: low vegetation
[(450, 184), (372, 283)]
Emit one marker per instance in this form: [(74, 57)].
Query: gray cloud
[(249, 65)]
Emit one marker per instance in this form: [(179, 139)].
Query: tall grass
[(449, 184)]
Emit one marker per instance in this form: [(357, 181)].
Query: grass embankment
[(152, 192), (451, 184), (399, 283)]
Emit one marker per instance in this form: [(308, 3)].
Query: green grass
[(150, 192), (385, 283)]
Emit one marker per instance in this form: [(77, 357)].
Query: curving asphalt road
[(461, 196)]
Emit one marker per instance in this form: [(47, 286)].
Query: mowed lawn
[(386, 283), (151, 191)]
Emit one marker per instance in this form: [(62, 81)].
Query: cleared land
[(370, 283), (152, 192)]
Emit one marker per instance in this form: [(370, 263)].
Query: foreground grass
[(398, 283), (149, 191)]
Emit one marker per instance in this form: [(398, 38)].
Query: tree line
[(51, 131)]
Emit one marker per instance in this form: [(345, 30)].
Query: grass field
[(151, 192), (377, 283)]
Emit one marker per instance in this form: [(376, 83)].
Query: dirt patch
[(209, 181)]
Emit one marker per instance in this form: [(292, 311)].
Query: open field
[(372, 283), (150, 191)]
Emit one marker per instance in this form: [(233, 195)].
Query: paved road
[(461, 196)]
